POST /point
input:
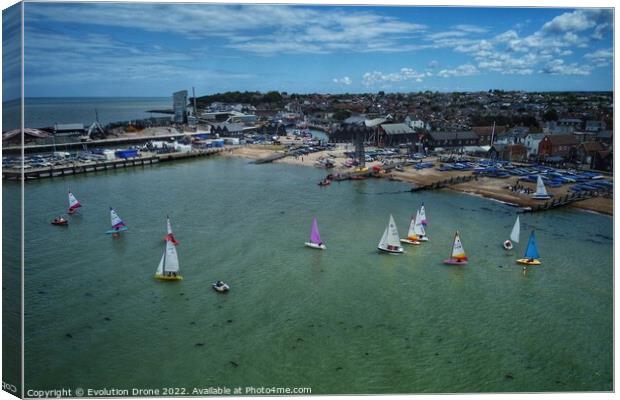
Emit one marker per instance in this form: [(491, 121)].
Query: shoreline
[(486, 187)]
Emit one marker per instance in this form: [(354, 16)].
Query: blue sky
[(112, 49)]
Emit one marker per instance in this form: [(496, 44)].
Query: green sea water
[(344, 320)]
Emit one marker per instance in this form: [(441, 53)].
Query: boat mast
[(454, 241)]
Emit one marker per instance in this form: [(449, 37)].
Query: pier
[(445, 183), (271, 158), (17, 174), (566, 200)]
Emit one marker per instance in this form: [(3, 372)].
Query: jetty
[(566, 200), (445, 183), (271, 158), (17, 174)]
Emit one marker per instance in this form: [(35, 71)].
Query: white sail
[(73, 203), (169, 260), (516, 231), (423, 215), (411, 232), (457, 248), (168, 227), (540, 187), (115, 220), (390, 235), (418, 228)]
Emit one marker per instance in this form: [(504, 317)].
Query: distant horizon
[(309, 93), (152, 48)]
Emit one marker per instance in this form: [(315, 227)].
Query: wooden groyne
[(271, 158), (566, 200), (16, 174), (445, 183)]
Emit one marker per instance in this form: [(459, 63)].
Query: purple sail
[(315, 237)]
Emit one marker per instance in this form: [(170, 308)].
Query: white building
[(531, 142)]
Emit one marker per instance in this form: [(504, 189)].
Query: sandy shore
[(484, 186)]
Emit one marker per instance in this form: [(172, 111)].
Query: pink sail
[(315, 237)]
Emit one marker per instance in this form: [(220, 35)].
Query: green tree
[(551, 115)]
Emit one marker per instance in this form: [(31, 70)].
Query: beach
[(494, 188)]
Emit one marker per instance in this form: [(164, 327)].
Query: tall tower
[(179, 105)]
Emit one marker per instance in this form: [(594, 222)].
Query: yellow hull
[(527, 262), (169, 278)]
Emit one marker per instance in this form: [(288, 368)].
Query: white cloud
[(601, 57), (54, 58), (405, 74), (461, 70), (470, 28), (576, 21), (343, 81), (260, 29), (558, 67)]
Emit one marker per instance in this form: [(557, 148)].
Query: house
[(393, 134), (595, 126), (508, 152), (451, 139), (606, 137), (568, 125), (585, 152), (556, 145), (532, 141), (415, 123), (485, 132), (603, 161)]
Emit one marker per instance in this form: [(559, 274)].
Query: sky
[(141, 49)]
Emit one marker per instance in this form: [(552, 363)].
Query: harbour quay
[(72, 165)]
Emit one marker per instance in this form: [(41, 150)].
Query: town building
[(485, 132), (394, 134), (433, 140), (556, 145), (508, 152), (69, 129)]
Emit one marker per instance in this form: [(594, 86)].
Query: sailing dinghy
[(416, 233), (412, 237), (541, 192), (514, 235), (118, 225), (458, 256), (423, 215), (315, 237), (390, 242), (168, 268), (74, 204), (531, 256)]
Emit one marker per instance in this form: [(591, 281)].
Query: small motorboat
[(325, 182), (60, 221), (221, 287)]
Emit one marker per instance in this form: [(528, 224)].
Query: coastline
[(490, 188)]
